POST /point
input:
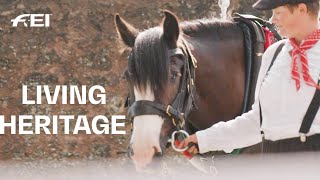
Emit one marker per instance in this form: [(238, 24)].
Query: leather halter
[(184, 100)]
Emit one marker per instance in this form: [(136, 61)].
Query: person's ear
[(302, 8)]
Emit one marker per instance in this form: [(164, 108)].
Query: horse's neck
[(219, 76)]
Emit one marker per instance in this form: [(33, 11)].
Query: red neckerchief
[(301, 50)]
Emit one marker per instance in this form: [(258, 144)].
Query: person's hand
[(191, 142)]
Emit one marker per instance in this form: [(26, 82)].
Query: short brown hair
[(313, 7)]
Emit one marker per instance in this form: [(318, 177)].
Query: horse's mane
[(214, 25), (149, 62)]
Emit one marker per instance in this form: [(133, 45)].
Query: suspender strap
[(272, 61), (312, 109), (275, 55), (311, 112)]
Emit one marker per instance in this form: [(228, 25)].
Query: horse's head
[(155, 69)]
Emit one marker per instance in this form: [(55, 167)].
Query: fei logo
[(36, 20)]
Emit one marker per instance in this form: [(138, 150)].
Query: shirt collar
[(288, 47)]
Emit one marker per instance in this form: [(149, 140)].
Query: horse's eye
[(174, 76)]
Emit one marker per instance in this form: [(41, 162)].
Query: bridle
[(182, 104)]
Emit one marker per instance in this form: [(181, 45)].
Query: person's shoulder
[(269, 53), (271, 49)]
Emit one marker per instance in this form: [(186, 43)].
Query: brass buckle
[(168, 109)]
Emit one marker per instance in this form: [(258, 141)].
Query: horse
[(181, 74)]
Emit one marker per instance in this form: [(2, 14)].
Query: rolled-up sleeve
[(240, 132)]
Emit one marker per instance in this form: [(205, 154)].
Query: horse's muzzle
[(130, 152)]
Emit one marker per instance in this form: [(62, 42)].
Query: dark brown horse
[(156, 72)]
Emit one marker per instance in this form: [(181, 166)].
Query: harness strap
[(264, 23), (249, 58), (273, 29), (191, 70)]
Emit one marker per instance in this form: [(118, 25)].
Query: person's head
[(291, 16)]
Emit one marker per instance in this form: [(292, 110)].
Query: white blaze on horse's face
[(146, 132)]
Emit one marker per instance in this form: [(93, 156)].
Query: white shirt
[(283, 107)]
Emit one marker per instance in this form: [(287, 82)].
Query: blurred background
[(80, 47)]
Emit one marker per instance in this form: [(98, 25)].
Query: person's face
[(287, 21)]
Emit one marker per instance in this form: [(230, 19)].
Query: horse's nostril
[(158, 152)]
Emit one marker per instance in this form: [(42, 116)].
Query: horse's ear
[(125, 31), (171, 28)]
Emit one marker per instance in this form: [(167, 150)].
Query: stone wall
[(80, 47)]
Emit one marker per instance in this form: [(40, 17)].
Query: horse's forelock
[(151, 61)]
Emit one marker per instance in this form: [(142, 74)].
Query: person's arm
[(240, 132)]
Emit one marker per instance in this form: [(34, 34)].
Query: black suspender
[(312, 109), (272, 61), (310, 114)]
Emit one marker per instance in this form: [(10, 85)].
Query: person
[(284, 92)]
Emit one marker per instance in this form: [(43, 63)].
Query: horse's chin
[(143, 161)]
